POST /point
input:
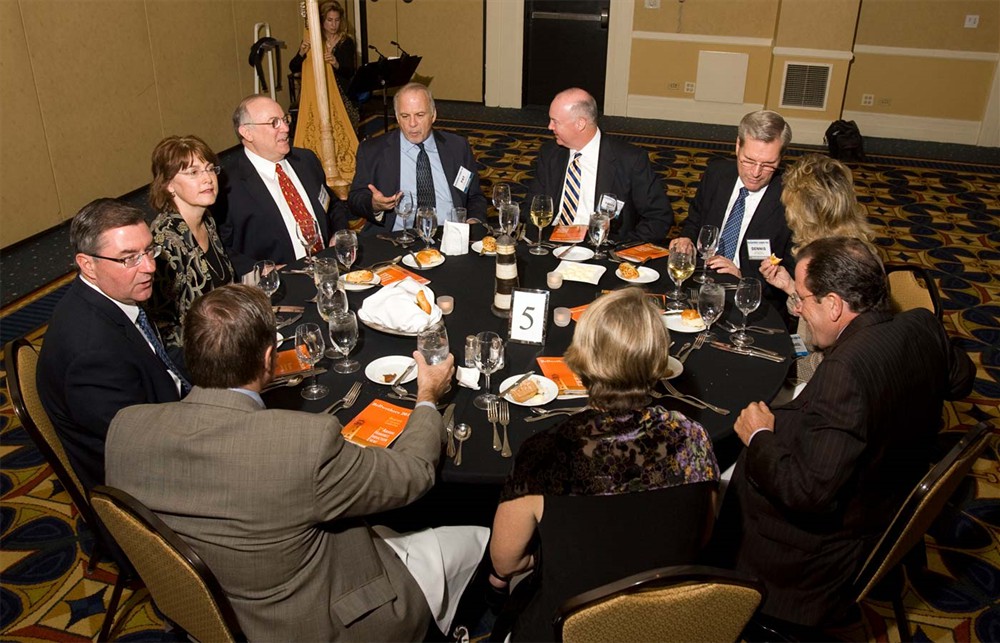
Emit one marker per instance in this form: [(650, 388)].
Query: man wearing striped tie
[(584, 163)]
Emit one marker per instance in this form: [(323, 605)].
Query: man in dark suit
[(275, 501), (742, 198), (97, 358), (272, 192), (823, 475), (584, 163), (391, 164)]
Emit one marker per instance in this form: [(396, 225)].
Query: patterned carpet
[(943, 216)]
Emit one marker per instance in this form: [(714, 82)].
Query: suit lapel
[(606, 162), (449, 163)]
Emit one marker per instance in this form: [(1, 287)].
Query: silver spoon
[(462, 433)]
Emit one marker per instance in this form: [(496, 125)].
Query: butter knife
[(402, 376), (288, 322), (449, 425), (515, 384), (415, 260), (745, 351)]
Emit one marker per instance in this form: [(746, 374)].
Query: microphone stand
[(381, 79)]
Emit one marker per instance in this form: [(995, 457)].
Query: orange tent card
[(643, 252), (555, 369), (289, 363), (576, 312), (392, 274), (568, 233), (378, 425)]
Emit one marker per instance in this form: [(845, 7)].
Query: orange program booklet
[(568, 233), (577, 311), (555, 369), (289, 363), (378, 425), (392, 274), (643, 252)]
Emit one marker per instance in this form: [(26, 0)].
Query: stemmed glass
[(432, 342), (541, 216), (325, 271), (267, 277), (680, 265), (404, 210), (330, 302), (427, 225), (711, 303), (600, 224), (510, 215), (309, 347), (345, 245), (488, 359), (608, 205), (308, 238), (344, 333), (501, 195), (708, 245), (747, 300)]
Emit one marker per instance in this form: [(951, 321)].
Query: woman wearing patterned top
[(620, 488), (193, 261)]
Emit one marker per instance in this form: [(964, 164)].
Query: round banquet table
[(725, 379)]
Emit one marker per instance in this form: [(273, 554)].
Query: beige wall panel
[(286, 24), (449, 36), (744, 18), (927, 87), (382, 27), (28, 198), (817, 24), (834, 99), (930, 24), (196, 76), (657, 64), (95, 83)]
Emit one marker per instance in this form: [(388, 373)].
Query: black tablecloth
[(727, 380)]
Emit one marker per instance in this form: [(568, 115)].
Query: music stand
[(382, 75)]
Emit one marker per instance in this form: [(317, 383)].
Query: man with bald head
[(272, 192), (583, 163)]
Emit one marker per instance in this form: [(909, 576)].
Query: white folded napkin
[(395, 307), (455, 238), (467, 377)]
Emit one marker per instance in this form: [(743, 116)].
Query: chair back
[(921, 508), (680, 603), (182, 586), (912, 287)]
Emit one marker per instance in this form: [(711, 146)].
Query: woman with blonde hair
[(339, 52), (625, 474)]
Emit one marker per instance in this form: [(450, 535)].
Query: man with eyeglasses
[(101, 353), (274, 202)]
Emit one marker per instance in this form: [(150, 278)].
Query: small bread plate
[(380, 370), (547, 390), (646, 275), (674, 323), (573, 253), (409, 262), (477, 247), (676, 368), (363, 285)]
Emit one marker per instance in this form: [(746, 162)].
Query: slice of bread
[(423, 303), (524, 391), (359, 277), (628, 271)]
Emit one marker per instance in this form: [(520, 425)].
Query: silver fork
[(679, 398), (504, 421), (670, 387), (347, 401), (493, 416), (698, 342)]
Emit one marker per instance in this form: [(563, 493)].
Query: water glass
[(404, 210), (309, 238), (427, 224), (488, 358), (343, 329), (309, 346), (325, 270), (459, 215), (501, 195), (345, 245), (267, 277), (510, 215), (600, 224), (708, 245), (747, 300), (711, 303), (432, 342)]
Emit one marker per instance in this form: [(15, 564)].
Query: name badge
[(463, 179), (324, 198), (759, 249)]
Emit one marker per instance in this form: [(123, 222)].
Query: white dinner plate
[(547, 390), (646, 275), (674, 323), (676, 368), (376, 280), (410, 263), (477, 247), (393, 365), (573, 253), (280, 338)]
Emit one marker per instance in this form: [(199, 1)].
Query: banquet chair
[(680, 603), (911, 287), (181, 584)]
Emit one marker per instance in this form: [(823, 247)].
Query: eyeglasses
[(767, 168), (193, 172), (276, 121), (132, 261), (797, 301)]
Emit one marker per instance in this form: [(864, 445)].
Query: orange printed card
[(378, 425), (643, 252), (556, 370), (568, 233), (289, 363), (577, 311), (392, 274)]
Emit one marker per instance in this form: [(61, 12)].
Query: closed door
[(565, 45)]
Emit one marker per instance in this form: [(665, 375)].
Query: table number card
[(529, 318)]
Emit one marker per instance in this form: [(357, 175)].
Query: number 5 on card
[(529, 316)]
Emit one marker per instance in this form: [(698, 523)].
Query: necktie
[(571, 192), (731, 231), (302, 217), (154, 338), (425, 182)]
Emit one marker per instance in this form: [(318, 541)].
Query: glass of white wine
[(680, 265), (541, 216)]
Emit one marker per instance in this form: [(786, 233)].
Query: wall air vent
[(805, 85)]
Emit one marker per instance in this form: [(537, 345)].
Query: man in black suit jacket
[(95, 360), (255, 220), (608, 165), (382, 175), (823, 475)]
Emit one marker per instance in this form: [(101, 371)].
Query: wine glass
[(344, 333), (600, 224), (432, 342), (345, 245), (501, 195), (404, 210), (747, 300), (680, 265), (711, 303), (308, 237), (488, 359), (541, 216), (427, 224), (608, 205), (330, 302), (708, 245), (309, 347), (325, 270), (510, 215), (267, 277)]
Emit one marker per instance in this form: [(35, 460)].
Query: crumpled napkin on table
[(455, 238), (395, 307), (467, 377)]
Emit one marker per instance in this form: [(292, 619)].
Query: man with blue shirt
[(437, 168)]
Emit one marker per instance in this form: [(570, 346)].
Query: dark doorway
[(565, 45)]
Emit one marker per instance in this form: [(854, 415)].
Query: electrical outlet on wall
[(674, 86), (867, 100), (885, 102), (652, 4), (971, 21), (688, 87)]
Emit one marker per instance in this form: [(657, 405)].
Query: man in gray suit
[(274, 500)]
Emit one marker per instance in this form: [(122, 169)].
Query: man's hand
[(724, 266), (381, 202), (682, 244), (433, 381), (755, 416), (777, 276)]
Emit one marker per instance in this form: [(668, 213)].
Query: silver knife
[(516, 382), (402, 376), (745, 351), (415, 260), (449, 424), (288, 322)]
